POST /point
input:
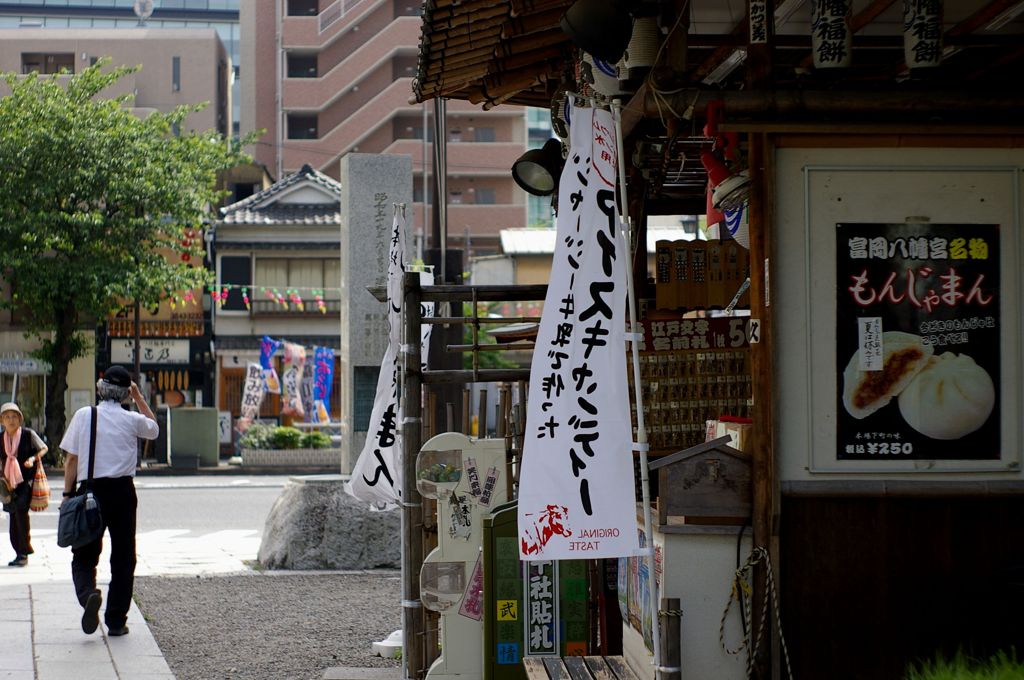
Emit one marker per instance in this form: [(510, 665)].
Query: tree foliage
[(94, 203)]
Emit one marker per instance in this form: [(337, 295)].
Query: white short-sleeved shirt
[(117, 435)]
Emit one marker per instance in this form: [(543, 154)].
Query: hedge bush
[(260, 436)]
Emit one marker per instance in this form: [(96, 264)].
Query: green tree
[(94, 204)]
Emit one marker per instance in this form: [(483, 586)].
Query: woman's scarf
[(12, 469)]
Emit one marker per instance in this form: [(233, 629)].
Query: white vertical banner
[(377, 475), (576, 486), (252, 395)]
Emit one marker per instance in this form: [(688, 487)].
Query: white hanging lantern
[(831, 37), (922, 33)]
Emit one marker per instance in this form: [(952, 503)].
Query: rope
[(742, 591)]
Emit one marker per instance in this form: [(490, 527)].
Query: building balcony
[(269, 308), (315, 93), (318, 30)]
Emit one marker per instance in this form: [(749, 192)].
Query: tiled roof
[(306, 173), (285, 213)]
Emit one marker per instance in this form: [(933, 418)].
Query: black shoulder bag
[(80, 522)]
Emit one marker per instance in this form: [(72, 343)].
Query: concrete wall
[(698, 569), (371, 185)]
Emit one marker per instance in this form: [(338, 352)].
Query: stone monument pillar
[(371, 185)]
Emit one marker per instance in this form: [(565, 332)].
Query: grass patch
[(1001, 666)]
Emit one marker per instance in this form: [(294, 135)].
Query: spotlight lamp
[(603, 28), (537, 170), (729, 191)]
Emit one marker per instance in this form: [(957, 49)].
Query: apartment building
[(330, 78), (179, 66), (220, 15)]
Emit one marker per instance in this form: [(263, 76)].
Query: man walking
[(117, 435)]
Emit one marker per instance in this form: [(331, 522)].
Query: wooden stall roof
[(492, 52), (513, 51)]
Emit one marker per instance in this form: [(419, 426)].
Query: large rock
[(314, 524)]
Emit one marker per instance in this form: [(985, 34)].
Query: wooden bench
[(577, 668)]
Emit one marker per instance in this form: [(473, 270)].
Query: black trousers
[(118, 502), (21, 538)]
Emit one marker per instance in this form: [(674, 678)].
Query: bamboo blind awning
[(491, 52)]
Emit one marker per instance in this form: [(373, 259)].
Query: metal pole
[(138, 344), (413, 659), (426, 192), (441, 180), (641, 429)]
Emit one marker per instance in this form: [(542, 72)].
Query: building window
[(485, 134), (235, 270), (303, 8), (302, 127), (302, 66), (485, 196), (43, 63), (363, 390), (175, 74), (303, 273)]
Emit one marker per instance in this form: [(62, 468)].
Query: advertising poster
[(917, 341)]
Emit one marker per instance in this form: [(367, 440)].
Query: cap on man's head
[(118, 375)]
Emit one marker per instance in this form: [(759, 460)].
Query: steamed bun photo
[(903, 356), (949, 398)]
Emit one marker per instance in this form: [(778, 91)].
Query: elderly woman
[(21, 449)]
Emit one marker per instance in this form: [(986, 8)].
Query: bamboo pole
[(641, 429)]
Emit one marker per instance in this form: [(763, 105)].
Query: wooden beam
[(766, 105)]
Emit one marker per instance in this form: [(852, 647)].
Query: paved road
[(186, 525)]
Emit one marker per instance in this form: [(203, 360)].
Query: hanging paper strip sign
[(268, 346), (323, 379), (376, 477), (426, 312), (576, 488), (252, 395), (291, 379)]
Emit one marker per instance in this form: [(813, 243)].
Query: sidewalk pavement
[(41, 635), (40, 625)]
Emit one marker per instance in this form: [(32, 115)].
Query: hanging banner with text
[(917, 338), (323, 382), (252, 395), (291, 379), (576, 488), (376, 476)]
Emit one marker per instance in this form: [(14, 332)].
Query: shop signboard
[(917, 341), (153, 351)]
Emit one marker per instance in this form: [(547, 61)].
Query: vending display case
[(467, 477)]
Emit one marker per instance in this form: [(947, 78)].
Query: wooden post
[(467, 426), (671, 619), (482, 430), (413, 618), (761, 352)]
